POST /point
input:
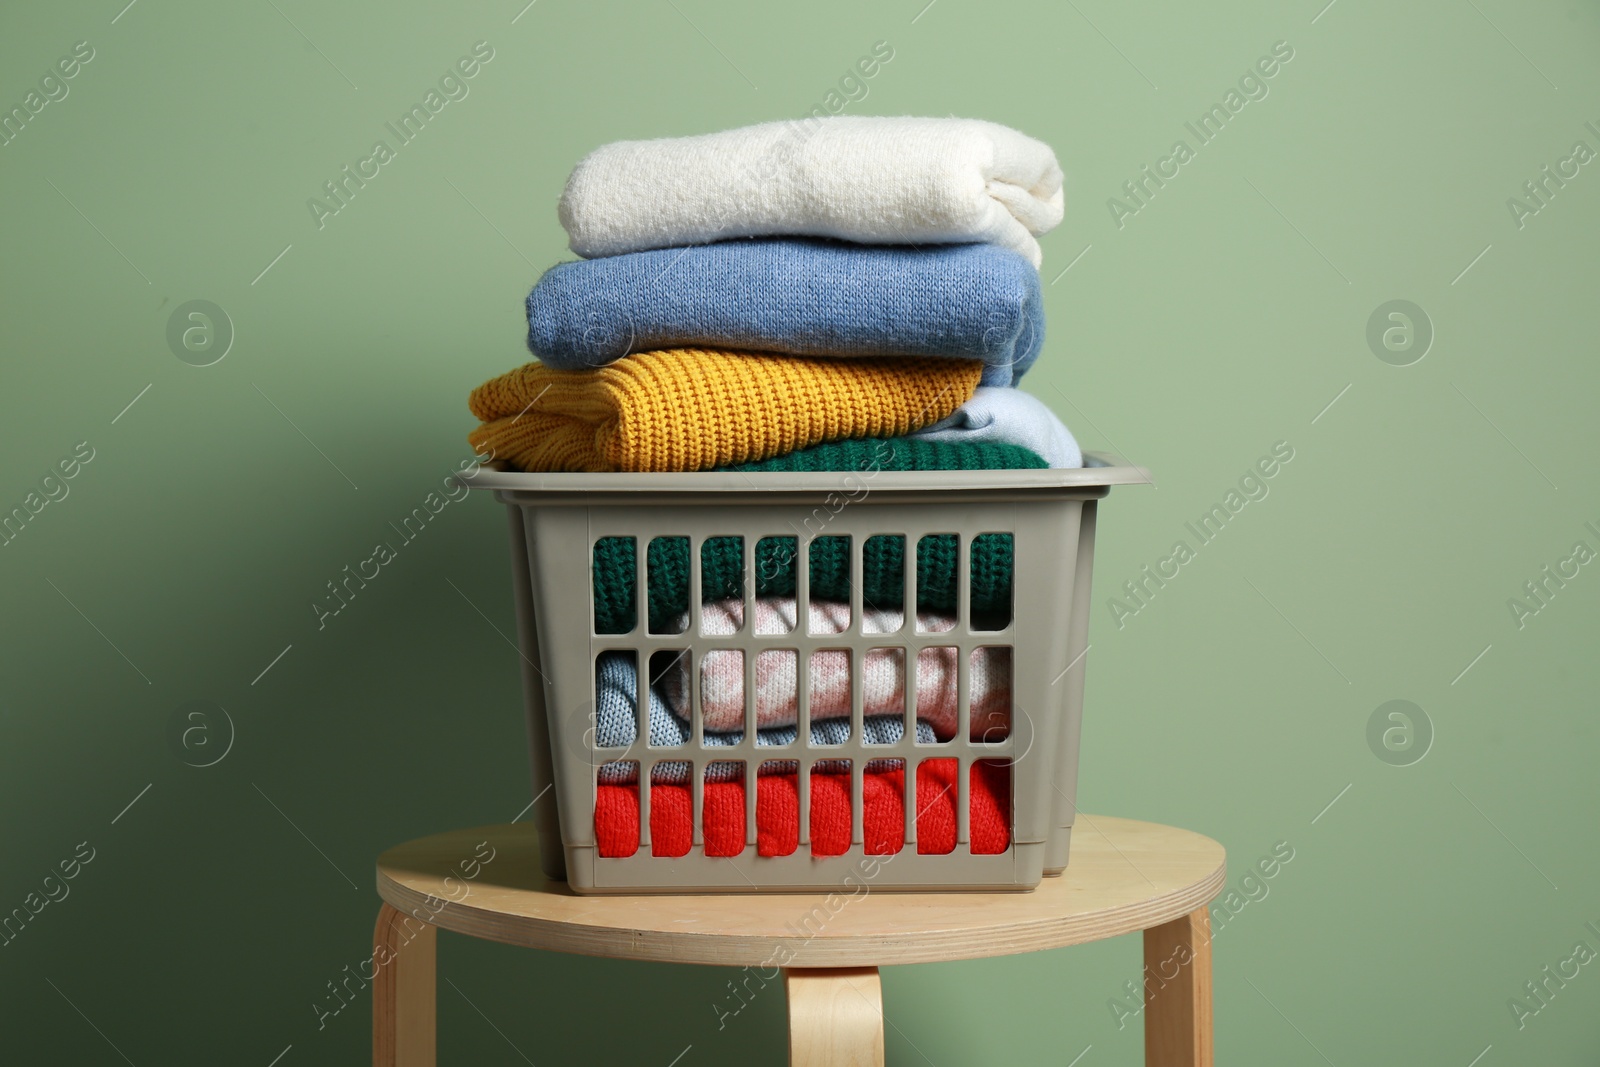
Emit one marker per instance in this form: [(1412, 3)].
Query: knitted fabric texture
[(911, 453), (873, 180), (1008, 416), (616, 725), (692, 409), (616, 814), (883, 673), (794, 296), (722, 576)]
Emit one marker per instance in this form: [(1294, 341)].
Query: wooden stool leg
[(1177, 1005), (404, 997), (835, 1017)]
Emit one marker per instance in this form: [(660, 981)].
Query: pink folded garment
[(883, 680)]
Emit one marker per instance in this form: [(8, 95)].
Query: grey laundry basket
[(555, 522)]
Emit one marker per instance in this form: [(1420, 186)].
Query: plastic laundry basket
[(556, 521)]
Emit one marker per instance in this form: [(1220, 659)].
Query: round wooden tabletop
[(1123, 876)]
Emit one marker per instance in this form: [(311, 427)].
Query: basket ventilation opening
[(722, 821), (989, 700), (830, 807), (616, 813), (667, 584), (938, 561), (992, 569), (883, 583), (778, 807), (828, 696), (614, 570), (829, 585)]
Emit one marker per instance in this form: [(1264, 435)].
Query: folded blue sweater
[(797, 296)]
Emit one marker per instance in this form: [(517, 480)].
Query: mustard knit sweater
[(686, 409)]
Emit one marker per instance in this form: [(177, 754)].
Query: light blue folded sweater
[(616, 689), (798, 296), (1011, 417)]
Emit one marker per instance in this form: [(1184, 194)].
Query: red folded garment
[(616, 814)]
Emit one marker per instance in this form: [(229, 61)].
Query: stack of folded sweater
[(832, 294)]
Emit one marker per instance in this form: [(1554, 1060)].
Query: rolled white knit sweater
[(874, 180), (883, 673)]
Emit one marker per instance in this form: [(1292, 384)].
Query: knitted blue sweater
[(798, 296)]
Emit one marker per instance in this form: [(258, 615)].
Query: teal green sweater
[(883, 557)]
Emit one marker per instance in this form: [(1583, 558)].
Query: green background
[(1222, 318)]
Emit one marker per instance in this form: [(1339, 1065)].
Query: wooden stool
[(1123, 876)]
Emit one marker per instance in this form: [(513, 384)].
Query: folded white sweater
[(874, 180)]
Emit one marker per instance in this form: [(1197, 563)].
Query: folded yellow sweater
[(685, 409)]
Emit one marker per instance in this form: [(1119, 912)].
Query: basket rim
[(1101, 470)]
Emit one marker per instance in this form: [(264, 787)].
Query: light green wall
[(1219, 319)]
